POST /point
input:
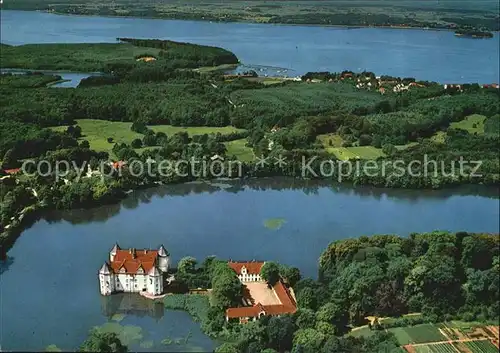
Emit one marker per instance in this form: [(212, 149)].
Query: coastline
[(437, 29), (30, 214)]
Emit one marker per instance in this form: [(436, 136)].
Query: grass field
[(417, 334), (473, 124), (330, 140), (439, 137), (240, 150), (364, 331), (333, 144), (75, 57), (363, 152), (96, 132)]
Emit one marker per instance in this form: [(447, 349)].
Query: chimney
[(132, 252)]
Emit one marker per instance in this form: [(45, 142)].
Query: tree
[(139, 127), (102, 342), (187, 265), (9, 160), (304, 318), (306, 298), (290, 274), (149, 139), (84, 144), (226, 287), (227, 348), (280, 332), (137, 143), (270, 272), (310, 340), (75, 131)]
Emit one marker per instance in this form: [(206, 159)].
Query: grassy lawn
[(208, 69), (98, 131), (417, 334), (76, 57), (363, 152), (330, 140), (439, 137), (363, 331), (473, 124), (408, 145), (238, 148), (333, 144)]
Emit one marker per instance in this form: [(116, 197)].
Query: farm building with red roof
[(283, 300)]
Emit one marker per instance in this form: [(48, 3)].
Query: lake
[(428, 55), (71, 79), (49, 286)]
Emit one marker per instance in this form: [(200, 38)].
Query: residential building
[(247, 271)]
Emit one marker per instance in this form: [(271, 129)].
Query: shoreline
[(436, 29), (31, 214)]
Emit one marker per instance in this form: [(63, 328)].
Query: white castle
[(134, 271)]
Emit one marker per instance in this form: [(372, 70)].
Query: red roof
[(287, 306), (253, 268), (119, 164), (12, 171), (131, 260)]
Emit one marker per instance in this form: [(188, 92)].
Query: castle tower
[(106, 280), (155, 285), (113, 252), (163, 259)]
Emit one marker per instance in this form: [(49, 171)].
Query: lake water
[(71, 79), (49, 287), (423, 54)]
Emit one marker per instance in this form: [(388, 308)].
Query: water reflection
[(131, 304), (308, 187), (5, 263)]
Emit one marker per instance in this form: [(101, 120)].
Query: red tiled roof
[(287, 306), (253, 268), (247, 311), (119, 164), (131, 263), (12, 171)]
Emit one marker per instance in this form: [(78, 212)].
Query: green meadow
[(97, 132), (239, 149)]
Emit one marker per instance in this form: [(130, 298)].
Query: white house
[(134, 271), (247, 271)]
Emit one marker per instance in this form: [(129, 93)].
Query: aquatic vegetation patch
[(147, 344), (274, 223), (167, 341), (118, 317), (196, 305), (128, 334), (52, 348)]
